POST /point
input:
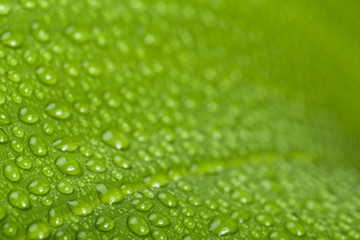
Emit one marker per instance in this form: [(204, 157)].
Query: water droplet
[(122, 162), (5, 7), (58, 111), (264, 220), (65, 187), (142, 204), (37, 146), (3, 137), (109, 194), (275, 235), (9, 229), (16, 145), (23, 163), (4, 117), (14, 75), (68, 165), (222, 225), (65, 145), (28, 115), (80, 207), (241, 216), (64, 234), (96, 166), (104, 223), (168, 199), (46, 75), (38, 187), (11, 172), (19, 199), (40, 32), (38, 230), (77, 34), (243, 197), (159, 235), (115, 139), (189, 223), (56, 217), (3, 213), (71, 69), (12, 38), (295, 228), (138, 225), (158, 219), (28, 4)]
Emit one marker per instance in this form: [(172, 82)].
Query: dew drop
[(115, 139), (109, 194), (222, 225), (104, 224), (37, 146), (68, 165), (65, 145), (96, 166), (58, 111), (38, 230), (9, 229), (295, 228), (65, 187), (11, 172), (28, 115), (80, 207), (158, 219), (167, 199), (12, 38), (46, 75), (142, 204), (138, 225), (23, 162), (56, 217), (3, 137), (19, 199), (38, 187)]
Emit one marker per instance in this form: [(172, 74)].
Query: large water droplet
[(80, 207), (38, 187), (11, 172), (158, 219), (109, 194), (12, 38), (115, 139), (38, 230), (138, 225), (222, 225), (104, 223), (168, 199), (46, 75), (56, 217), (58, 111), (28, 115), (65, 145), (295, 228), (68, 165), (19, 200), (37, 146)]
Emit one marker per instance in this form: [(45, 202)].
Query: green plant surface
[(179, 119)]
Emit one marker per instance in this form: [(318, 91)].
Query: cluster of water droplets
[(109, 129)]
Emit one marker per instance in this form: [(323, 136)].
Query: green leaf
[(179, 119)]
